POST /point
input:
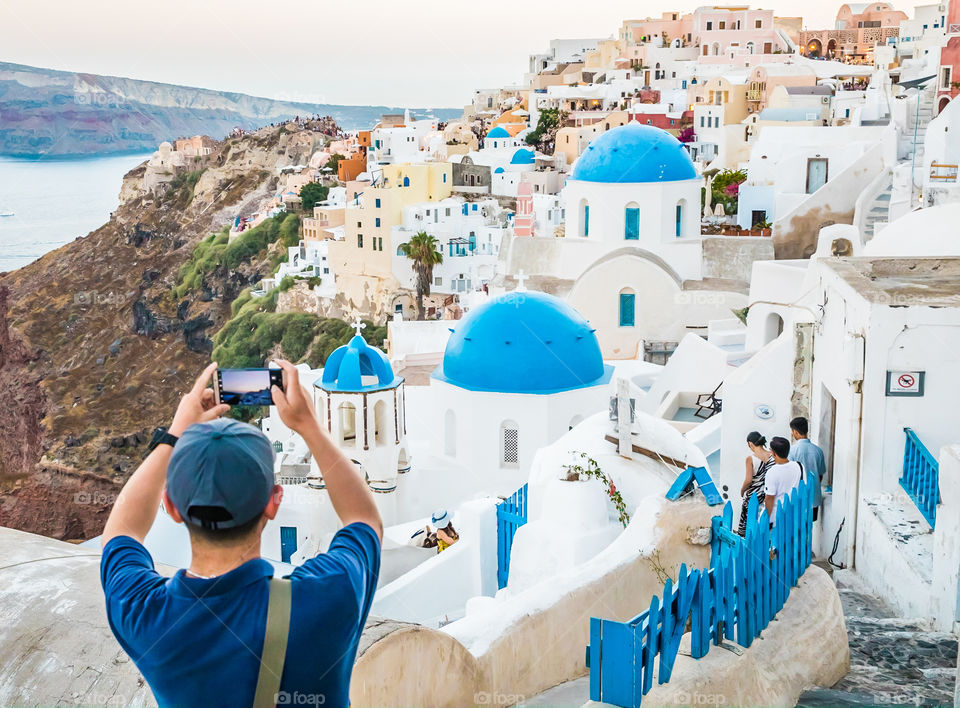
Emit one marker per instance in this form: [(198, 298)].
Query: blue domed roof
[(498, 170), (523, 342), (498, 132), (356, 366), (522, 157), (634, 153)]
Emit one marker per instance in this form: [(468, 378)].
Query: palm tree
[(422, 250)]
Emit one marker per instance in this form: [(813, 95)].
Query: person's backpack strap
[(274, 644)]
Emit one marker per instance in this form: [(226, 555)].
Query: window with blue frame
[(628, 303), (444, 177), (679, 232), (378, 204), (631, 229), (473, 241), (586, 220), (406, 181), (378, 221)]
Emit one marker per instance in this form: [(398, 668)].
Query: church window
[(509, 444), (628, 308), (631, 231), (585, 222), (679, 219)]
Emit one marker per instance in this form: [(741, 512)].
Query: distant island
[(49, 113)]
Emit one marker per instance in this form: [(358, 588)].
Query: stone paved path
[(893, 661)]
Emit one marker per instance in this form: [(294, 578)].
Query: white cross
[(521, 281), (358, 325)]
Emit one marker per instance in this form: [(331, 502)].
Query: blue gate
[(511, 515), (288, 542)]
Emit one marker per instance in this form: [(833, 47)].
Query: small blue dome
[(349, 365), (522, 157), (498, 170), (634, 153), (523, 342), (498, 132)]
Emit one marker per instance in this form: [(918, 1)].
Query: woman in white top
[(757, 463)]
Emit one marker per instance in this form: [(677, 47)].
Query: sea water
[(54, 201)]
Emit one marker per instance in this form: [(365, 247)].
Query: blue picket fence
[(920, 477), (511, 515), (735, 599)]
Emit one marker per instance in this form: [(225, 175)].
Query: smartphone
[(246, 387)]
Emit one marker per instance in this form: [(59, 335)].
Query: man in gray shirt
[(810, 457)]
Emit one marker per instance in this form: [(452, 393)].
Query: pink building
[(948, 80), (671, 25), (731, 32), (523, 220)]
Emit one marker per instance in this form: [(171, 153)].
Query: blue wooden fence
[(735, 599), (511, 515), (920, 477)]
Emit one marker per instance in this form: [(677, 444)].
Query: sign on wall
[(763, 411), (905, 383)]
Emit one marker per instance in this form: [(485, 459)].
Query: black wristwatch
[(161, 437)]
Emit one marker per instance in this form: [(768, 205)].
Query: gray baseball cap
[(221, 473)]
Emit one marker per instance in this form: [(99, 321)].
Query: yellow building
[(727, 91), (363, 261), (317, 227)]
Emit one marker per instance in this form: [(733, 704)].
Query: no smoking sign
[(905, 383)]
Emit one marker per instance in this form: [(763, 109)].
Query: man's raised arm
[(136, 507)]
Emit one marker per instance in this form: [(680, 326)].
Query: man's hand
[(293, 403), (199, 405)]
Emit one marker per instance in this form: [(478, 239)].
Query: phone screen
[(247, 387)]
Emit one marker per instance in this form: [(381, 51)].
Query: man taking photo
[(203, 637)]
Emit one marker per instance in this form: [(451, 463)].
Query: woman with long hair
[(758, 462)]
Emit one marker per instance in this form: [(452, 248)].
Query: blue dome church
[(518, 372), (361, 401), (632, 245)]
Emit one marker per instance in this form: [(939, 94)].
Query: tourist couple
[(772, 472)]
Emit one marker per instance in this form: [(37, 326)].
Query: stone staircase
[(917, 122), (893, 661), (878, 210)]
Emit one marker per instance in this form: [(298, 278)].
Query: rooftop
[(929, 282)]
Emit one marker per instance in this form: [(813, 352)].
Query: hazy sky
[(394, 52)]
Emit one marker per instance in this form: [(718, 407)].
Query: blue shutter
[(631, 231), (679, 220), (586, 220), (627, 309)]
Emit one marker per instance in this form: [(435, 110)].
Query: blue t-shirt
[(198, 642), (811, 457)]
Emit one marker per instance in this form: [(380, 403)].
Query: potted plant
[(764, 227), (586, 468)]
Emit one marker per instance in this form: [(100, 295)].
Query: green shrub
[(215, 252)]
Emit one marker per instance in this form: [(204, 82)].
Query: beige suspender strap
[(274, 644)]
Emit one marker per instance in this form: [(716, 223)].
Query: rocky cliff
[(45, 112), (95, 350)]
